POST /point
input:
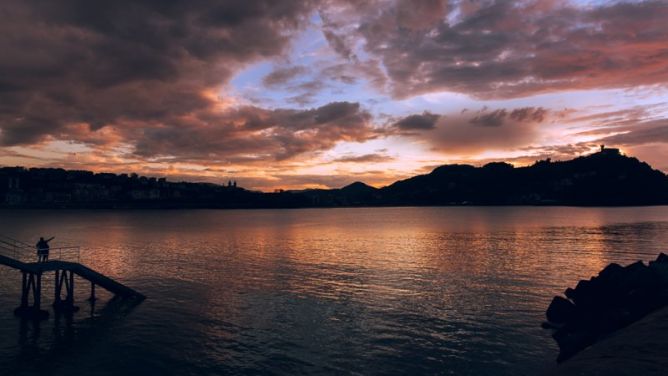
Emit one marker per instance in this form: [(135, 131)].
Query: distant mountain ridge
[(603, 178), (606, 178), (597, 179)]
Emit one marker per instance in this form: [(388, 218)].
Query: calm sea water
[(318, 291)]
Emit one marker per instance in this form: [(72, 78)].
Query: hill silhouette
[(598, 179), (606, 178)]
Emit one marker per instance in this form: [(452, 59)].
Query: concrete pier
[(31, 287)]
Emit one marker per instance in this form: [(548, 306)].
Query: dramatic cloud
[(426, 120), (251, 134), (469, 133), (271, 89), (116, 62), (499, 117), (497, 49)]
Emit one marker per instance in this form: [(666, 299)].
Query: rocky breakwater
[(617, 297)]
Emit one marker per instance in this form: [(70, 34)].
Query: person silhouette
[(43, 249)]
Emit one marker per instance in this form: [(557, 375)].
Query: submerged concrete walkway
[(639, 349)]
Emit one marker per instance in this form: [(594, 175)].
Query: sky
[(292, 94)]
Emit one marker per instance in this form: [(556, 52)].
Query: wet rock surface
[(616, 297)]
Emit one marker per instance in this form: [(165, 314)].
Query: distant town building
[(14, 195)]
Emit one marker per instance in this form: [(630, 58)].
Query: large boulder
[(590, 294), (639, 276), (560, 310), (612, 273), (615, 298), (660, 271)]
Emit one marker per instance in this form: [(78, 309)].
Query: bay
[(367, 291)]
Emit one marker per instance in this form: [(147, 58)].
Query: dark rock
[(560, 310), (584, 294), (612, 272), (641, 301), (660, 271), (610, 320), (615, 298), (638, 276)]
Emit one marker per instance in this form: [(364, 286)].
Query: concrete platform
[(639, 349)]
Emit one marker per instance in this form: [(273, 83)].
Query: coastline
[(638, 349)]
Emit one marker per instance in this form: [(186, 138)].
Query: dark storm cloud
[(423, 121), (258, 134), (498, 117), (129, 63), (500, 49), (471, 132), (492, 119)]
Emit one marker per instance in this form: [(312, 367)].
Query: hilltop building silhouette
[(609, 151)]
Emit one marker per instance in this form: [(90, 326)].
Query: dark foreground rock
[(615, 298)]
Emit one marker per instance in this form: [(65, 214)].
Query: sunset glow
[(308, 94)]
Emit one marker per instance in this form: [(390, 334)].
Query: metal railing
[(12, 247), (23, 251), (64, 253)]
